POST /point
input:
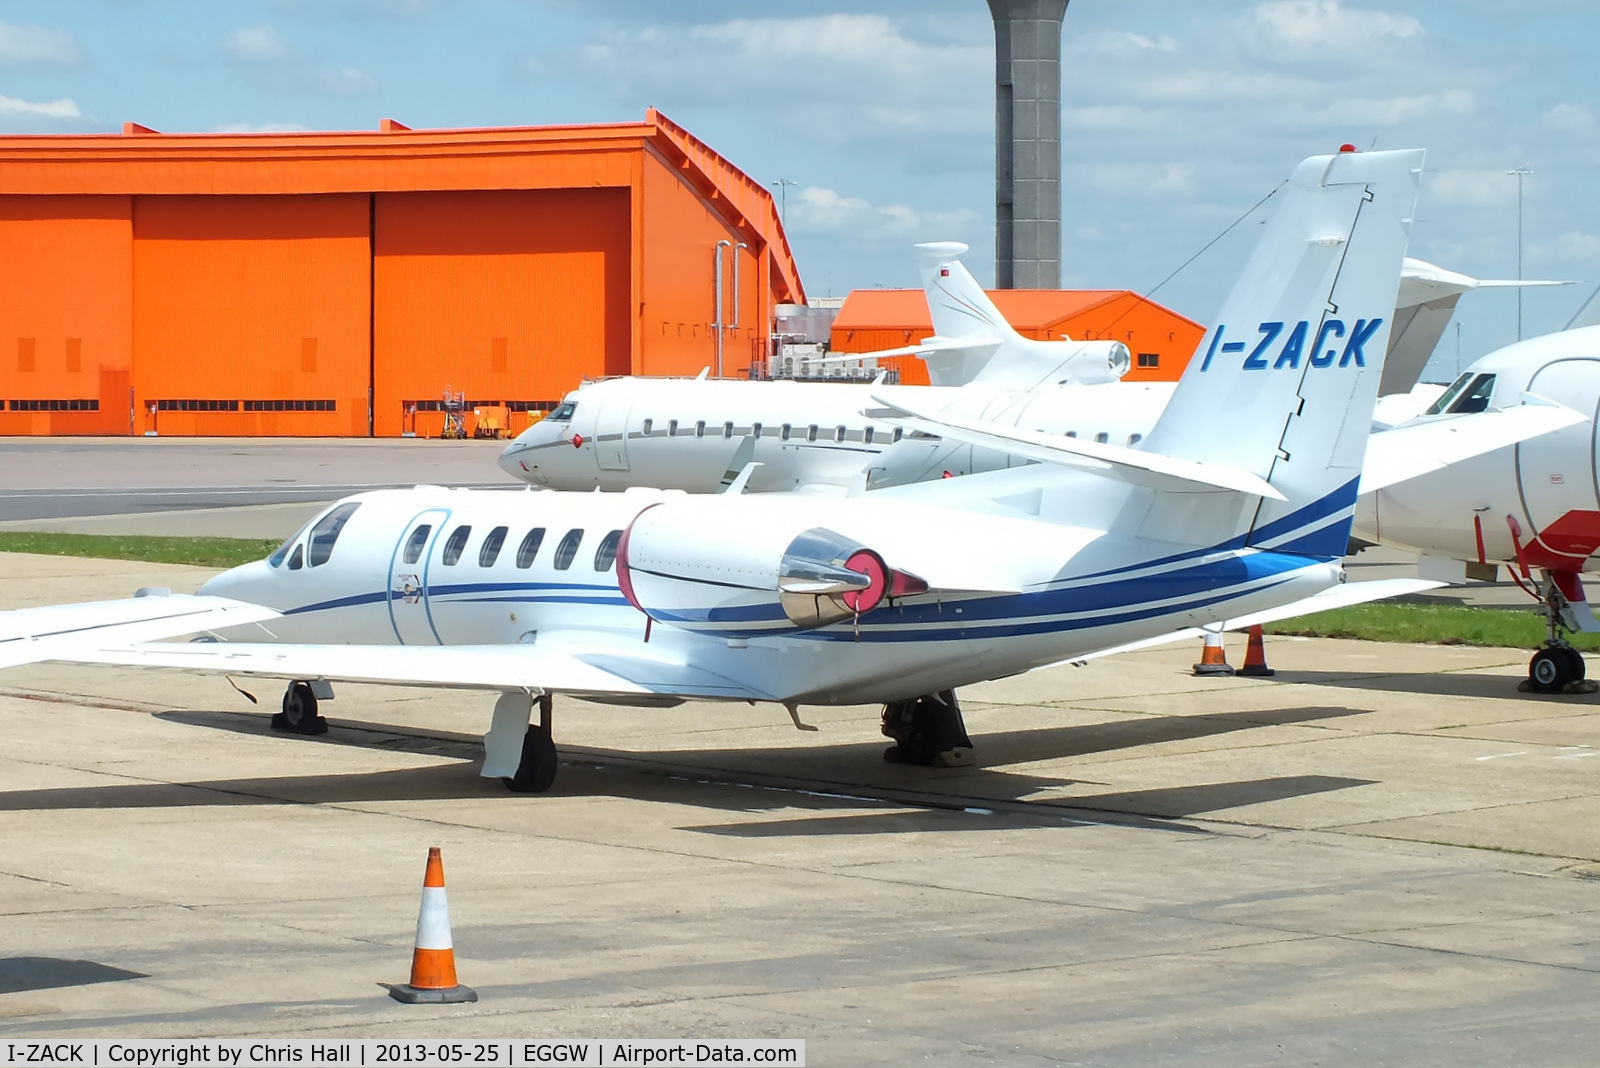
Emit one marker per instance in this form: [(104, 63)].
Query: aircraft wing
[(32, 635), (1343, 596), (980, 348), (1134, 464), (1413, 449), (592, 671)]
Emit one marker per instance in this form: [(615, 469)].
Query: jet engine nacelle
[(680, 567), (1097, 362)]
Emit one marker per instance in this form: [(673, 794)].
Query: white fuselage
[(1441, 514), (687, 434), (706, 568)]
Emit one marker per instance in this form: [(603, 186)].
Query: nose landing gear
[(1558, 667)]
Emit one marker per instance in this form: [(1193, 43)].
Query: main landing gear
[(1558, 667), (519, 753), (299, 715), (927, 730)]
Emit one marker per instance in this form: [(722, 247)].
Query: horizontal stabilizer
[(469, 667), (1135, 465), (1413, 449), (33, 635), (1342, 596)]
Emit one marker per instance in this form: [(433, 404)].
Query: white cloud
[(1469, 188), (258, 44), (1574, 245), (1570, 118), (64, 108), (1399, 110), (1119, 43), (1329, 25), (821, 210), (274, 66), (22, 46)]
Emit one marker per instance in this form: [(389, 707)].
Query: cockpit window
[(326, 532), (1469, 393), (563, 414), (282, 551), (295, 560)]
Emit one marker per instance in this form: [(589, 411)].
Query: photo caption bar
[(502, 1053)]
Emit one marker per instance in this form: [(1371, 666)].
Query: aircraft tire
[(299, 715), (537, 771), (1580, 670), (1550, 670)]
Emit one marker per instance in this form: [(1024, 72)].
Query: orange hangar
[(354, 283)]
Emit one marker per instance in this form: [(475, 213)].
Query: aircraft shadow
[(1172, 803), (1444, 684), (820, 778), (19, 974)]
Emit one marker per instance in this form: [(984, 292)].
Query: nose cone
[(250, 582), (520, 459)]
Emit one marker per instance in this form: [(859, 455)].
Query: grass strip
[(1434, 624), (199, 552)]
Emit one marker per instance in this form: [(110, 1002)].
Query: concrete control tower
[(1027, 142)]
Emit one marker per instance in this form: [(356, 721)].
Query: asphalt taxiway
[(1384, 855)]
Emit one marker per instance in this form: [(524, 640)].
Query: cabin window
[(563, 414), (897, 432), (727, 430), (700, 429), (811, 432), (414, 544), (644, 428), (529, 547), (296, 559), (320, 545), (838, 434), (491, 547), (606, 555), (783, 432), (755, 430), (1102, 437), (866, 436), (567, 551), (454, 544), (1072, 433), (1134, 439), (672, 428)]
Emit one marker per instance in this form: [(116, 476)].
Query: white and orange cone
[(1213, 660), (1255, 657), (433, 961)]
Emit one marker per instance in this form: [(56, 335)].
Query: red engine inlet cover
[(870, 564)]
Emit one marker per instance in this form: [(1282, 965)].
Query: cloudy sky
[(1177, 117)]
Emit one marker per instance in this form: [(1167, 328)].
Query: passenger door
[(611, 434), (408, 579), (1556, 471)]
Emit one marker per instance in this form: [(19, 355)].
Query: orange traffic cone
[(1255, 657), (1213, 661), (433, 961)]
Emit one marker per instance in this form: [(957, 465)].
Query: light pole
[(1521, 173), (783, 185)]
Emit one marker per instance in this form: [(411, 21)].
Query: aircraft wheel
[(1580, 670), (537, 772), (1550, 670), (299, 715)]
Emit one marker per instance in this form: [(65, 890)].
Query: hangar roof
[(394, 158), (1029, 311)]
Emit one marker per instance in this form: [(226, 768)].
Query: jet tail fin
[(1283, 385)]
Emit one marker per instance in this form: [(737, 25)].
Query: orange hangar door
[(505, 298), (251, 314), (65, 314)]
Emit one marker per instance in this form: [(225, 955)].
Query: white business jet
[(697, 434), (1237, 509)]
